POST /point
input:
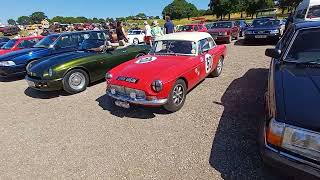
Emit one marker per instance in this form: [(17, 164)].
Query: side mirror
[(273, 53)]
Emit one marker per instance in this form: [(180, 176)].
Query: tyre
[(218, 70), (75, 81), (229, 40), (136, 41), (177, 96)]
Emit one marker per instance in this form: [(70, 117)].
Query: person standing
[(147, 31), (121, 34), (156, 31), (169, 26)]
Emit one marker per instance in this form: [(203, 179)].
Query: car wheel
[(177, 96), (75, 81), (136, 41), (218, 70), (229, 39), (140, 54)]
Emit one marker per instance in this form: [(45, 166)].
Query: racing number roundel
[(208, 62)]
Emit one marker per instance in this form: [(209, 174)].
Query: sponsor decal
[(145, 59), (197, 71)]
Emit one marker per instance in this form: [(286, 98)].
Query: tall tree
[(11, 22), (24, 20), (37, 17), (179, 9)]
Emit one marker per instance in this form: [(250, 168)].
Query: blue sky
[(93, 8)]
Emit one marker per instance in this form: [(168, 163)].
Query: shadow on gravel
[(11, 79), (235, 148), (43, 94), (242, 42), (139, 112)]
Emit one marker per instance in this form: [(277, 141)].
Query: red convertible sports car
[(176, 64), (19, 43)]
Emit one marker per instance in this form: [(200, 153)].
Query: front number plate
[(261, 36), (122, 104)]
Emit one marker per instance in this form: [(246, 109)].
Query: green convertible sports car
[(73, 71)]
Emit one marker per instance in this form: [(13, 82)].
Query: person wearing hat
[(156, 31), (147, 31)]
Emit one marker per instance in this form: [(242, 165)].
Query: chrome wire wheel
[(178, 94), (77, 81)]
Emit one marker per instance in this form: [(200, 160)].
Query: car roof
[(307, 24), (185, 36), (78, 32), (29, 37), (222, 21)]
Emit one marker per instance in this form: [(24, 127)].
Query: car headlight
[(295, 139), (302, 141), (157, 85), (108, 76), (50, 72), (275, 31), (7, 63)]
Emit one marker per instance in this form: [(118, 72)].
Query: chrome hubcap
[(77, 81), (178, 94), (135, 41)]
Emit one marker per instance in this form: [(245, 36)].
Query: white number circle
[(208, 63)]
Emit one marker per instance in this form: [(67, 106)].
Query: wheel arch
[(185, 80), (82, 68)]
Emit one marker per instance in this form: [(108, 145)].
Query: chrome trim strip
[(300, 160), (158, 102)]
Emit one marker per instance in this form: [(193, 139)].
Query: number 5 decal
[(208, 62)]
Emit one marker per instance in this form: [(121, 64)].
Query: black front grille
[(33, 77)]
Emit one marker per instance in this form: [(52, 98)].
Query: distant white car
[(136, 36)]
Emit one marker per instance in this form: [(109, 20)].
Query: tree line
[(221, 8), (37, 17), (178, 9)]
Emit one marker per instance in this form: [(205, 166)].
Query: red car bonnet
[(158, 68), (4, 51)]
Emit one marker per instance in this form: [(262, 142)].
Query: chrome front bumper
[(158, 102)]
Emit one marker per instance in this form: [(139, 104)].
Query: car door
[(108, 60), (209, 56)]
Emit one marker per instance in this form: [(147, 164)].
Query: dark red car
[(10, 30), (19, 43), (224, 31), (193, 28)]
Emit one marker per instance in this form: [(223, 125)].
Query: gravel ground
[(59, 136)]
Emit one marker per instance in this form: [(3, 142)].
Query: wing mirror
[(273, 53)]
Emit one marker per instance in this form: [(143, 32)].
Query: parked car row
[(162, 75)]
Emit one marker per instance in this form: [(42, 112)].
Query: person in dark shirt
[(169, 26), (121, 34)]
